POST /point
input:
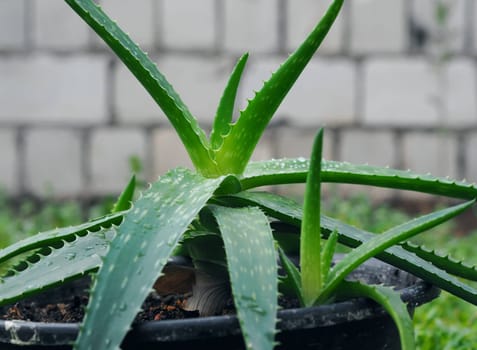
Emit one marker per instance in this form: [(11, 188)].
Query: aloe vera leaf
[(187, 127), (327, 255), (385, 240), (225, 110), (284, 171), (72, 260), (252, 264), (47, 238), (244, 135), (391, 301), (444, 262), (126, 196), (310, 241), (289, 211), (293, 277), (146, 238)]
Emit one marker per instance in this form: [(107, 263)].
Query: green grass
[(28, 217)]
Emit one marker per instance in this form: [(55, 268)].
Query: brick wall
[(395, 84)]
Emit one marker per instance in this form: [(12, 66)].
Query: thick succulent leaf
[(252, 263), (392, 303), (126, 197), (385, 240), (289, 211), (445, 262), (283, 171), (71, 260), (293, 277), (146, 238), (240, 143), (225, 110), (310, 237), (327, 255), (187, 127), (48, 238)]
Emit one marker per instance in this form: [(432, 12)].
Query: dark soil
[(72, 309)]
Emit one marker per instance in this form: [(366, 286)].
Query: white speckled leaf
[(146, 239), (73, 259), (252, 263)]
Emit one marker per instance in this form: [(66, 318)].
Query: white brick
[(168, 152), (470, 157), (111, 151), (368, 147), (430, 153), (375, 148), (12, 24), (251, 25), (400, 92), (199, 81), (56, 25), (133, 103), (302, 16), (323, 95), (44, 89), (9, 161), (53, 162), (188, 24), (135, 17), (460, 90), (298, 142), (378, 26), (441, 37)]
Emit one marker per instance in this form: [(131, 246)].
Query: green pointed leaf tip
[(225, 110), (239, 145), (126, 197), (146, 239), (310, 240), (252, 263)]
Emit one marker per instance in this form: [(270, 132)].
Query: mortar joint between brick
[(85, 164), (109, 94), (346, 33), (360, 92), (282, 27), (21, 160), (29, 25)]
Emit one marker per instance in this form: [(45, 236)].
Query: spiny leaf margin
[(187, 127), (294, 170), (146, 239)]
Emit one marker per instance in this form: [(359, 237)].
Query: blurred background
[(394, 84)]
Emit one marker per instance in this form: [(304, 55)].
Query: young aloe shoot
[(310, 243)]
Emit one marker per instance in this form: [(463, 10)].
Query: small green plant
[(215, 207)]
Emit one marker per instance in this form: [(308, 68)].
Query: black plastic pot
[(346, 325)]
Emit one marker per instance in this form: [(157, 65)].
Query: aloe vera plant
[(216, 207)]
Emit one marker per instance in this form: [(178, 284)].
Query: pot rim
[(34, 333)]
